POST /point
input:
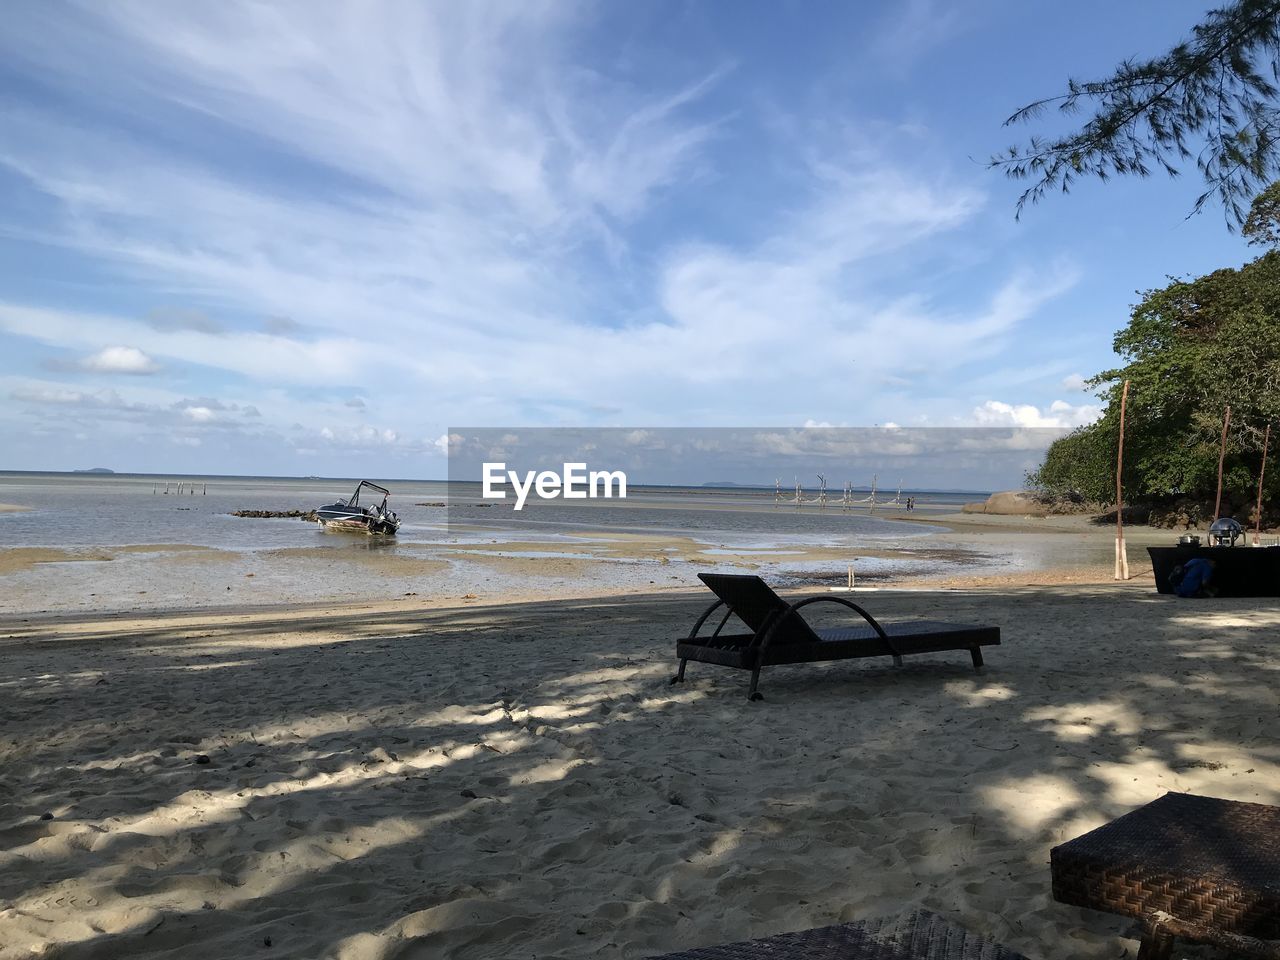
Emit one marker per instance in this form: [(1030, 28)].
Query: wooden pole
[(1122, 556), (1222, 457), (1257, 530)]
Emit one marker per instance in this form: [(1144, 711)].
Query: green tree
[(1190, 349), (1262, 225), (1211, 100)]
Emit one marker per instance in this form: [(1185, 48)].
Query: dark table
[(1238, 571), (1197, 867)]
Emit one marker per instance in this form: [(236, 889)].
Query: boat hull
[(342, 518)]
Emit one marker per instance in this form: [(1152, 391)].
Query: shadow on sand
[(498, 782)]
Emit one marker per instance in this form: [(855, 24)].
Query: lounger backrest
[(755, 604)]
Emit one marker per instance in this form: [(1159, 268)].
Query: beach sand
[(493, 780)]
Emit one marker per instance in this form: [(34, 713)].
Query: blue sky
[(307, 238)]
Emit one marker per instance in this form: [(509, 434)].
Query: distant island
[(94, 470)]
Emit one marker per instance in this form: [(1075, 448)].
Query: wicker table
[(1190, 866), (919, 935)]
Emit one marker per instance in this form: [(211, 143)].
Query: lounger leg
[(976, 652), (753, 693), (679, 677), (1156, 944)]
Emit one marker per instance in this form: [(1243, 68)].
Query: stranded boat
[(350, 515)]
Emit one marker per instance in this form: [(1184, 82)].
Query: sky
[(310, 238)]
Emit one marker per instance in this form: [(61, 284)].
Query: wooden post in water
[(1222, 456), (1122, 556), (1257, 530)]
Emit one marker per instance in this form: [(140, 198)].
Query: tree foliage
[(1190, 349), (1262, 225), (1212, 99)]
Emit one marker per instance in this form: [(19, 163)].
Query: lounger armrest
[(792, 610), (703, 619)]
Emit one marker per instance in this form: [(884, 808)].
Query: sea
[(102, 542)]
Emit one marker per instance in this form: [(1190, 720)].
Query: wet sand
[(18, 559), (467, 779), (968, 549)]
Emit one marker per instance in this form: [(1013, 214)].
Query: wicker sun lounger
[(1199, 868), (780, 635), (919, 935)]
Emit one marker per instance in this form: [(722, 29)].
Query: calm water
[(279, 560), (118, 509)]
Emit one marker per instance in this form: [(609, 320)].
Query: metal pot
[(1224, 532)]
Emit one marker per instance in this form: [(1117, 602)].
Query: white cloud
[(360, 437), (1074, 382), (120, 360), (913, 29), (48, 395), (446, 443), (996, 413)]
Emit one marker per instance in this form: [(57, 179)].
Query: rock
[(46, 816), (275, 514), (1009, 503), (469, 794), (202, 759)]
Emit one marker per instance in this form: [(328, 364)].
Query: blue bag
[(1196, 574)]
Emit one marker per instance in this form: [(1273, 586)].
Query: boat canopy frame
[(355, 497)]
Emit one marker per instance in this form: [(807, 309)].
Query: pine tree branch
[(1207, 87)]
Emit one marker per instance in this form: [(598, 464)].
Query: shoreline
[(989, 552)]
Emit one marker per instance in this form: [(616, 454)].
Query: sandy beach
[(486, 780)]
